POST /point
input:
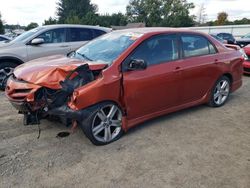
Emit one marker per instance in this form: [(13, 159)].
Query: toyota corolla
[(124, 78)]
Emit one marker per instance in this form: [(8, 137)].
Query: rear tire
[(6, 69), (104, 124), (220, 92)]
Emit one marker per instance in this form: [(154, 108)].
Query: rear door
[(54, 43), (79, 36), (200, 67), (157, 87)]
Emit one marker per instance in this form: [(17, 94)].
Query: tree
[(32, 25), (201, 16), (107, 20), (74, 10), (1, 25), (222, 18), (50, 21), (174, 13)]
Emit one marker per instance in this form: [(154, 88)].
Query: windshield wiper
[(84, 56)]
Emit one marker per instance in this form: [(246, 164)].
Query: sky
[(25, 11)]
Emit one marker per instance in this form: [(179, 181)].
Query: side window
[(228, 37), (212, 49), (158, 49), (221, 35), (1, 39), (98, 33), (195, 45), (80, 34), (53, 36)]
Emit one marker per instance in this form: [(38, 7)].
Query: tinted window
[(194, 45), (157, 50), (228, 36), (53, 36), (79, 34), (2, 39), (98, 33)]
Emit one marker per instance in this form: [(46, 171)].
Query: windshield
[(26, 34), (107, 48), (246, 36)]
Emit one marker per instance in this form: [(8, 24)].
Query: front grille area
[(247, 70), (22, 90)]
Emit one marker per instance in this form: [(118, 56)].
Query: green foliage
[(171, 13), (1, 25), (50, 21), (117, 19), (83, 12), (222, 18), (32, 25), (74, 10)]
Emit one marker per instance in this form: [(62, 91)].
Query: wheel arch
[(15, 60), (110, 101), (229, 76)]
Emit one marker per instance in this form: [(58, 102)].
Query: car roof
[(106, 29), (159, 30), (220, 33)]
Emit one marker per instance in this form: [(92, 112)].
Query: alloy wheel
[(4, 75), (221, 92), (107, 123)]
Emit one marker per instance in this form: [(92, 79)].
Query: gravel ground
[(195, 148)]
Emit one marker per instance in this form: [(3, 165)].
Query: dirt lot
[(198, 147)]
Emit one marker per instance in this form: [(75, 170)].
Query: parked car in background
[(126, 77), (244, 41), (44, 41), (227, 37), (246, 64), (236, 47), (219, 39), (4, 38)]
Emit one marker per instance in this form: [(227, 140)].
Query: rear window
[(195, 45), (98, 33), (80, 34)]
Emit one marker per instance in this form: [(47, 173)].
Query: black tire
[(214, 92), (3, 77), (88, 124)]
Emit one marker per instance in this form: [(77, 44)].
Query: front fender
[(101, 89)]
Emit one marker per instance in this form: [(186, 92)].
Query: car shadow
[(166, 117)]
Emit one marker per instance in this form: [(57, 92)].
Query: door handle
[(177, 69)]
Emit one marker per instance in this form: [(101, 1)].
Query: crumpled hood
[(49, 71)]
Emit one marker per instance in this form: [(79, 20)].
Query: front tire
[(104, 124), (220, 92), (6, 69)]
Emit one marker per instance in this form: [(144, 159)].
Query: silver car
[(44, 41)]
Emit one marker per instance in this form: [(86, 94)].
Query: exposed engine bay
[(53, 102)]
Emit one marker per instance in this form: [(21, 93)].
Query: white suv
[(44, 41)]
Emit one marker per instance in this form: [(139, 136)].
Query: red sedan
[(246, 64), (126, 77)]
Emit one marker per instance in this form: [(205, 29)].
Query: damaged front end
[(37, 102)]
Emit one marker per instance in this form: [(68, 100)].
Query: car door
[(199, 68), (157, 87), (54, 43), (79, 36)]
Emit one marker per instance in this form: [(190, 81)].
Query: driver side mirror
[(137, 64), (37, 41)]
